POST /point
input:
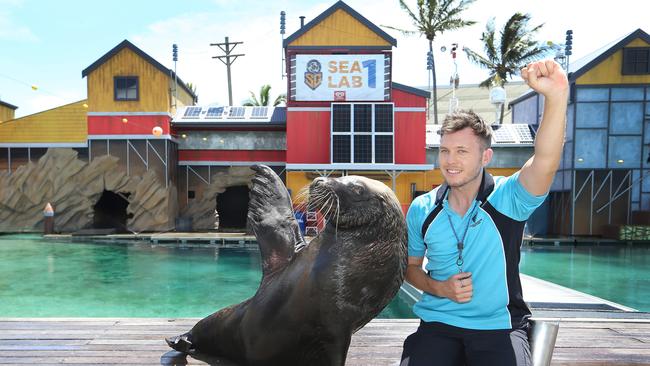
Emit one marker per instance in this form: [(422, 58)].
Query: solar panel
[(237, 112), (523, 132), (192, 112), (214, 112), (502, 135), (259, 112)]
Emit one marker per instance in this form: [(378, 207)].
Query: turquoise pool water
[(57, 279), (619, 274)]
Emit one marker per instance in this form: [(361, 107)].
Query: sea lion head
[(353, 201)]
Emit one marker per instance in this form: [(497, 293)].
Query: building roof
[(471, 96), (64, 125), (584, 64), (141, 53), (345, 7), (411, 90), (5, 104)]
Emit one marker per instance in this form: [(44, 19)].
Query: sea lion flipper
[(271, 216), (181, 343)]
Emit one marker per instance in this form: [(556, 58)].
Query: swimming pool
[(616, 273), (41, 278)]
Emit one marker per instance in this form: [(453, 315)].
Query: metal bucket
[(542, 338)]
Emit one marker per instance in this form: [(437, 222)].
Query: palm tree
[(433, 18), (264, 98), (516, 48), (192, 87)]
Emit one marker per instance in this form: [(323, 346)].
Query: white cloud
[(10, 30)]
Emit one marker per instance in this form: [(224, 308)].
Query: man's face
[(461, 157)]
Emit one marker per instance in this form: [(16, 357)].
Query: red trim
[(410, 138), (308, 137), (135, 125), (404, 99), (232, 155)]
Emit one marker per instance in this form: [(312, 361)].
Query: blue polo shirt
[(491, 253)]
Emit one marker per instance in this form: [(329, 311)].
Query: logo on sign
[(339, 95), (313, 75)]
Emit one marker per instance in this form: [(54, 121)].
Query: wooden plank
[(141, 342)]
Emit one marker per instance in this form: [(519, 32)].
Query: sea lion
[(312, 296)]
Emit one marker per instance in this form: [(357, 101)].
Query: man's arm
[(548, 79), (457, 287)]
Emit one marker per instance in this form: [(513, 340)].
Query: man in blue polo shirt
[(470, 230)]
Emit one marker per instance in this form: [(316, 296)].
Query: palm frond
[(403, 31), (282, 98), (479, 60), (516, 48), (414, 18)]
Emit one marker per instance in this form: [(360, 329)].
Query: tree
[(192, 87), (264, 98), (516, 48), (433, 18)]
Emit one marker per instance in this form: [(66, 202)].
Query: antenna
[(568, 47), (282, 31), (175, 58)]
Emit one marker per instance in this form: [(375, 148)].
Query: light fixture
[(124, 120), (620, 161), (205, 139), (580, 160), (184, 136), (157, 131), (85, 105)]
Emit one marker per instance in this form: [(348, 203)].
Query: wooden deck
[(134, 341)]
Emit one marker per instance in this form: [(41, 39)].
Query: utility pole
[(229, 59)]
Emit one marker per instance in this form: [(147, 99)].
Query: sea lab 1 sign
[(339, 77)]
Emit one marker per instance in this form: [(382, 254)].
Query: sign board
[(339, 77)]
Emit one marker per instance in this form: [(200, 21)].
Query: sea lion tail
[(181, 343)]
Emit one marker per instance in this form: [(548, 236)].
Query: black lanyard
[(460, 241)]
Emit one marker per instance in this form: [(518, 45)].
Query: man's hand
[(457, 288), (547, 78)]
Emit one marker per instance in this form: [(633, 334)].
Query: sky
[(47, 44)]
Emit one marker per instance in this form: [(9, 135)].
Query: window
[(636, 61), (126, 88), (362, 133)]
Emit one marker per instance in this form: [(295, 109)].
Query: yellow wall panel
[(181, 97), (6, 113), (609, 70), (424, 181), (154, 85), (62, 124), (295, 182), (340, 29)]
